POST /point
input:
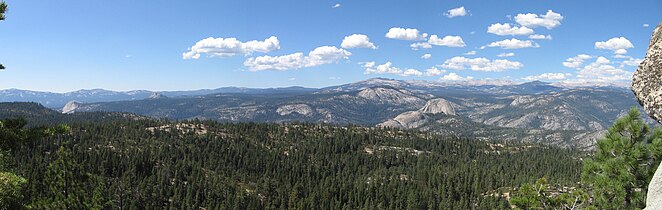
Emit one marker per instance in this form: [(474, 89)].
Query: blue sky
[(124, 45)]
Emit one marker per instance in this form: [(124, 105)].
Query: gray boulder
[(647, 80), (647, 86)]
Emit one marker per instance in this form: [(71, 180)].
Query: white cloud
[(645, 25), (319, 56), (226, 47), (480, 64), (388, 68), (460, 11), (412, 72), (434, 71), (418, 45), (448, 41), (357, 41), (334, 78), (540, 36), (548, 76), (602, 72), (549, 20), (473, 52), (617, 44), (335, 6), (510, 54), (632, 62), (411, 34), (506, 29), (292, 78), (454, 77), (513, 44), (426, 56), (577, 61)]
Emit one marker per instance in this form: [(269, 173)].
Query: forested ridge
[(161, 164)]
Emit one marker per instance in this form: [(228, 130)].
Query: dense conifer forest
[(137, 163)]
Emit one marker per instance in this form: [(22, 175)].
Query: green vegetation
[(12, 134), (3, 9), (615, 177), (155, 164), (623, 164)]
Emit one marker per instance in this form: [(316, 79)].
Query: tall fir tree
[(623, 164)]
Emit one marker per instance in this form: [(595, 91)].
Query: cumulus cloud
[(357, 41), (426, 56), (510, 54), (617, 44), (412, 72), (335, 6), (548, 76), (577, 61), (548, 20), (454, 77), (418, 45), (319, 56), (460, 11), (480, 64), (410, 34), (602, 71), (513, 44), (388, 68), (540, 36), (507, 29), (226, 47), (473, 52), (448, 41), (631, 61), (434, 71)]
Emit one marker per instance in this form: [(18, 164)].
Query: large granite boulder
[(647, 80), (647, 86)]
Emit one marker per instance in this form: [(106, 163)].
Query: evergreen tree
[(3, 9), (623, 164), (65, 184)]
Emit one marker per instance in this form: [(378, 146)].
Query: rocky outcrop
[(654, 196), (156, 95), (418, 118), (70, 107), (647, 86), (302, 109), (390, 96), (647, 80), (438, 105)]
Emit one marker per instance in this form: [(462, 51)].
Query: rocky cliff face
[(70, 107), (415, 119), (647, 86), (647, 80)]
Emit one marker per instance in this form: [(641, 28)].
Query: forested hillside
[(158, 164)]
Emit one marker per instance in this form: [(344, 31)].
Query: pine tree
[(623, 164), (65, 184), (3, 9)]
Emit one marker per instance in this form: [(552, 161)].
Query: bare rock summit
[(647, 80), (647, 86)]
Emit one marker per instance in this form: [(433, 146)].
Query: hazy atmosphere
[(179, 45), (475, 104)]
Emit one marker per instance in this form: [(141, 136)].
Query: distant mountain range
[(58, 100), (532, 112)]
